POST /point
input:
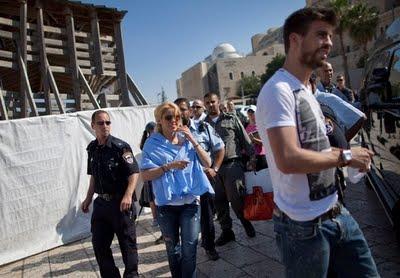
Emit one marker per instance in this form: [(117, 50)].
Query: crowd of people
[(194, 158)]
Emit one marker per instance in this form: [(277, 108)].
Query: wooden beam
[(54, 88), (27, 86), (59, 69), (134, 90), (9, 22), (9, 35), (59, 51), (108, 50), (88, 90), (73, 57), (23, 56), (121, 70), (43, 57), (97, 55), (3, 108), (7, 55)]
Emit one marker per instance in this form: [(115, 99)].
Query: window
[(394, 78), (348, 48), (242, 74), (231, 76), (253, 73)]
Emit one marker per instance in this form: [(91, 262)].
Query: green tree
[(275, 64), (341, 8), (250, 86), (363, 21)]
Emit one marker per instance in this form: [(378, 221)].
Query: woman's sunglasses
[(170, 117)]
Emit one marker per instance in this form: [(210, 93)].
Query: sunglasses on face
[(103, 122), (170, 117), (339, 80), (197, 107)]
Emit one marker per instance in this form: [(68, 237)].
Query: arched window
[(231, 76), (253, 73), (242, 74)]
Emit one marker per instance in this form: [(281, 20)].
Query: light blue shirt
[(206, 136), (174, 186)]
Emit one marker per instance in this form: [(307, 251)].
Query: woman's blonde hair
[(162, 109)]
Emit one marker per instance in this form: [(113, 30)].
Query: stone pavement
[(256, 257)]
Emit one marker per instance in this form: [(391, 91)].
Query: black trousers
[(207, 221), (107, 220)]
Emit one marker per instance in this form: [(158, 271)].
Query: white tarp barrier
[(43, 180)]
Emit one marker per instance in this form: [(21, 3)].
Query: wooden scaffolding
[(59, 56)]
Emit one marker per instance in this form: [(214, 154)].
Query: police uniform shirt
[(206, 136), (111, 165)]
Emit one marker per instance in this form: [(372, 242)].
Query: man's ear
[(92, 125), (295, 40)]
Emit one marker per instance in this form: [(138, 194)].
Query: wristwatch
[(346, 156), (215, 169)]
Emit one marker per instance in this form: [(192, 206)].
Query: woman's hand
[(177, 164), (186, 131)]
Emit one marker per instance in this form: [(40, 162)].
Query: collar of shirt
[(108, 142), (295, 81), (193, 124)]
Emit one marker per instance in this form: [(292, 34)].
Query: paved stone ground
[(256, 257)]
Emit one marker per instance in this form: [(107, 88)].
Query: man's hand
[(361, 159), (126, 202), (210, 172), (85, 205)]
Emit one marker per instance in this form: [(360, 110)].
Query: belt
[(106, 196), (330, 214), (230, 160)]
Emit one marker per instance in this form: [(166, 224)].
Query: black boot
[(248, 227), (212, 254), (225, 237)]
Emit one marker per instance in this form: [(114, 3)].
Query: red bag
[(258, 205)]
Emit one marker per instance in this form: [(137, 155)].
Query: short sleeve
[(89, 165), (276, 106), (216, 141), (129, 164), (146, 162)]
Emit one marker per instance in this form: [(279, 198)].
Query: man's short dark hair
[(209, 95), (97, 112), (300, 21), (180, 100)]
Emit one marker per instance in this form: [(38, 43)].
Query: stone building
[(221, 72)]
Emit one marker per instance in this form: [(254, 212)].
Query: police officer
[(113, 174), (213, 145), (230, 179)]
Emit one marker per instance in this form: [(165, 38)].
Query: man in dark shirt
[(229, 182), (326, 84), (113, 174), (341, 85)]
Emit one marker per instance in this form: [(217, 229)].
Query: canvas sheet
[(43, 179)]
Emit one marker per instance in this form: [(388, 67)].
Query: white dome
[(225, 50)]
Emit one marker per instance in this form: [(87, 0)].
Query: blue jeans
[(181, 251), (309, 248)]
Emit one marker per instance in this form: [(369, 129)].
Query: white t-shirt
[(285, 101)]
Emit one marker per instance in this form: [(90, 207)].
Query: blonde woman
[(173, 161)]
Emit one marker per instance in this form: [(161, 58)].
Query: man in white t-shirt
[(314, 231)]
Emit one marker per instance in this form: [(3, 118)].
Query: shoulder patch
[(128, 157)]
